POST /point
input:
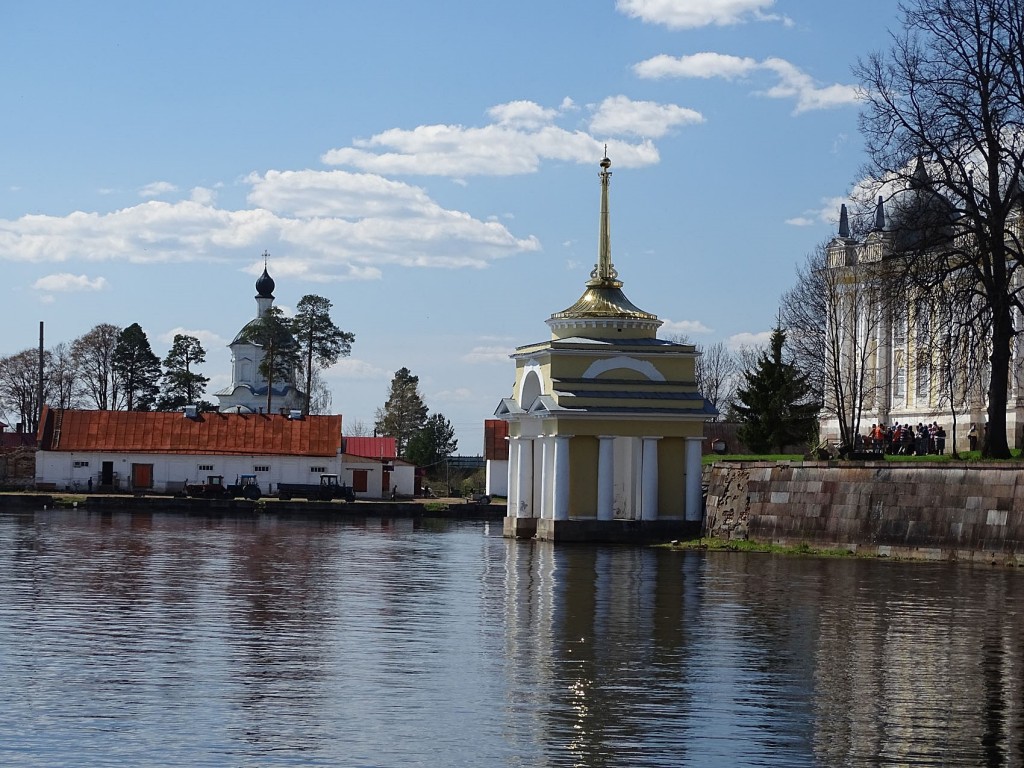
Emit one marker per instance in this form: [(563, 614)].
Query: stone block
[(996, 517)]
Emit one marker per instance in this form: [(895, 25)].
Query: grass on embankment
[(739, 545), (969, 456)]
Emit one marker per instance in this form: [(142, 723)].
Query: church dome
[(265, 285), (919, 218)]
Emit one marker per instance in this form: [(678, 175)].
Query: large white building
[(886, 348), (158, 452)]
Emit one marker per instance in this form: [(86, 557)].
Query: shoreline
[(448, 508)]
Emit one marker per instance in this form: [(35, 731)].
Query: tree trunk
[(995, 445)]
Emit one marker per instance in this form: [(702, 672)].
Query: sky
[(431, 168)]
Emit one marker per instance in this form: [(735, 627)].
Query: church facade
[(605, 420), (247, 392), (888, 353)]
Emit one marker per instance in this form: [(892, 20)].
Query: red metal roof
[(208, 433), (372, 447)]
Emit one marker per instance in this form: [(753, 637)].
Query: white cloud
[(353, 368), (685, 327), (346, 226), (700, 65), (157, 188), (796, 84), (457, 395), (65, 282), (620, 115), (524, 114), (208, 339), (203, 195), (748, 340), (489, 354), (827, 213), (791, 81), (522, 136), (689, 14), (350, 196)]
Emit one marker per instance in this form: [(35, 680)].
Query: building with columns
[(887, 349), (247, 392), (605, 420)]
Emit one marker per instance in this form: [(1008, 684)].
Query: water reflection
[(157, 640)]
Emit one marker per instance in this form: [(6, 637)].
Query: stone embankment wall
[(929, 511)]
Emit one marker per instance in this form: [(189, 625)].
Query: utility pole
[(39, 386)]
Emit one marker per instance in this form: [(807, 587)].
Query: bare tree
[(93, 353), (716, 371), (839, 314), (319, 397), (62, 385), (717, 375), (950, 91), (357, 428), (19, 387)]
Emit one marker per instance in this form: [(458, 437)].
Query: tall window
[(922, 344)]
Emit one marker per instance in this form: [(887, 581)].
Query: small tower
[(247, 392), (605, 420)]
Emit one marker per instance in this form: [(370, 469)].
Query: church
[(605, 421), (247, 392), (888, 358)]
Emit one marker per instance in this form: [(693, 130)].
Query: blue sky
[(429, 167)]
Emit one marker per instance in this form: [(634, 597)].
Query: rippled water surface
[(151, 640)]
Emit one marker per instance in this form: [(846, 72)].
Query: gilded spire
[(604, 271), (603, 300)]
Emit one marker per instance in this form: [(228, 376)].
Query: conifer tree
[(320, 341), (136, 368), (404, 414), (272, 332), (775, 402), (434, 443), (182, 384)]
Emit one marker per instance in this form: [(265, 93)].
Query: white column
[(694, 495), (649, 479), (606, 478), (547, 457), (524, 490), (513, 477), (560, 490)]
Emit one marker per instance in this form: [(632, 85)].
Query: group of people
[(906, 440)]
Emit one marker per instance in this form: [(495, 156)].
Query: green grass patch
[(712, 458), (1017, 455), (435, 506), (739, 545)]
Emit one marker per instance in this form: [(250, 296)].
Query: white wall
[(57, 467), (497, 477)]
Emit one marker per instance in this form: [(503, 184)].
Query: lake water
[(156, 640)]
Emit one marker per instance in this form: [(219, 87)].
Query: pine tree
[(432, 444), (404, 414), (272, 332), (320, 340), (775, 402), (182, 385), (136, 368)]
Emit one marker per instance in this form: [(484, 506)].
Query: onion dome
[(265, 285)]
